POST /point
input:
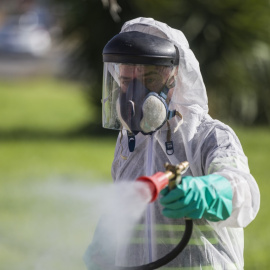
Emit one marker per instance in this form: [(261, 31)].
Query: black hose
[(168, 257)]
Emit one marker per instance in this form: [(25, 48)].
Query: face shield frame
[(133, 101), (140, 48)]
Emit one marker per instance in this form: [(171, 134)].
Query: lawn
[(46, 221), (256, 145)]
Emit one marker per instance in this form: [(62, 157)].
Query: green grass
[(43, 225), (39, 226), (256, 145), (39, 159), (42, 105)]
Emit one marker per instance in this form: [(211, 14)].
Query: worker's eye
[(150, 80), (125, 82)]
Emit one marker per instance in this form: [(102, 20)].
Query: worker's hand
[(208, 196)]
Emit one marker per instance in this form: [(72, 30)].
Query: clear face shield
[(136, 97)]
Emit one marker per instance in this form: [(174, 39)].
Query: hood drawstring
[(123, 157), (169, 142), (131, 143), (180, 122)]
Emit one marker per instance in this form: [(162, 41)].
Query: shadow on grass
[(87, 131)]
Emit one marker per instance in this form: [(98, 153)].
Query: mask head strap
[(164, 92)]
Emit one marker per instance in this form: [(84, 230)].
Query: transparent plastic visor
[(135, 97)]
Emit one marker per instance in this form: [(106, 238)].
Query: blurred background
[(52, 145)]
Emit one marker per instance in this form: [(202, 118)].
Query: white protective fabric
[(210, 147)]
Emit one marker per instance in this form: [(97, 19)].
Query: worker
[(153, 92)]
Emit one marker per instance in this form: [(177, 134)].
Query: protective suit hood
[(189, 96)]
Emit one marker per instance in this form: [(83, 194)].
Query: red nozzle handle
[(156, 183)]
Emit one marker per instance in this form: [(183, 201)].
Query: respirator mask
[(138, 78)]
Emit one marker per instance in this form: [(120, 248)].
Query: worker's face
[(153, 78)]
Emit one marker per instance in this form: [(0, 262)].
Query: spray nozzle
[(171, 177)]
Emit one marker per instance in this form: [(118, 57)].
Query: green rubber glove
[(208, 197)]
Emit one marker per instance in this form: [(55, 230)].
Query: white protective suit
[(210, 147)]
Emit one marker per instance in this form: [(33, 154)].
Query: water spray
[(171, 177)]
